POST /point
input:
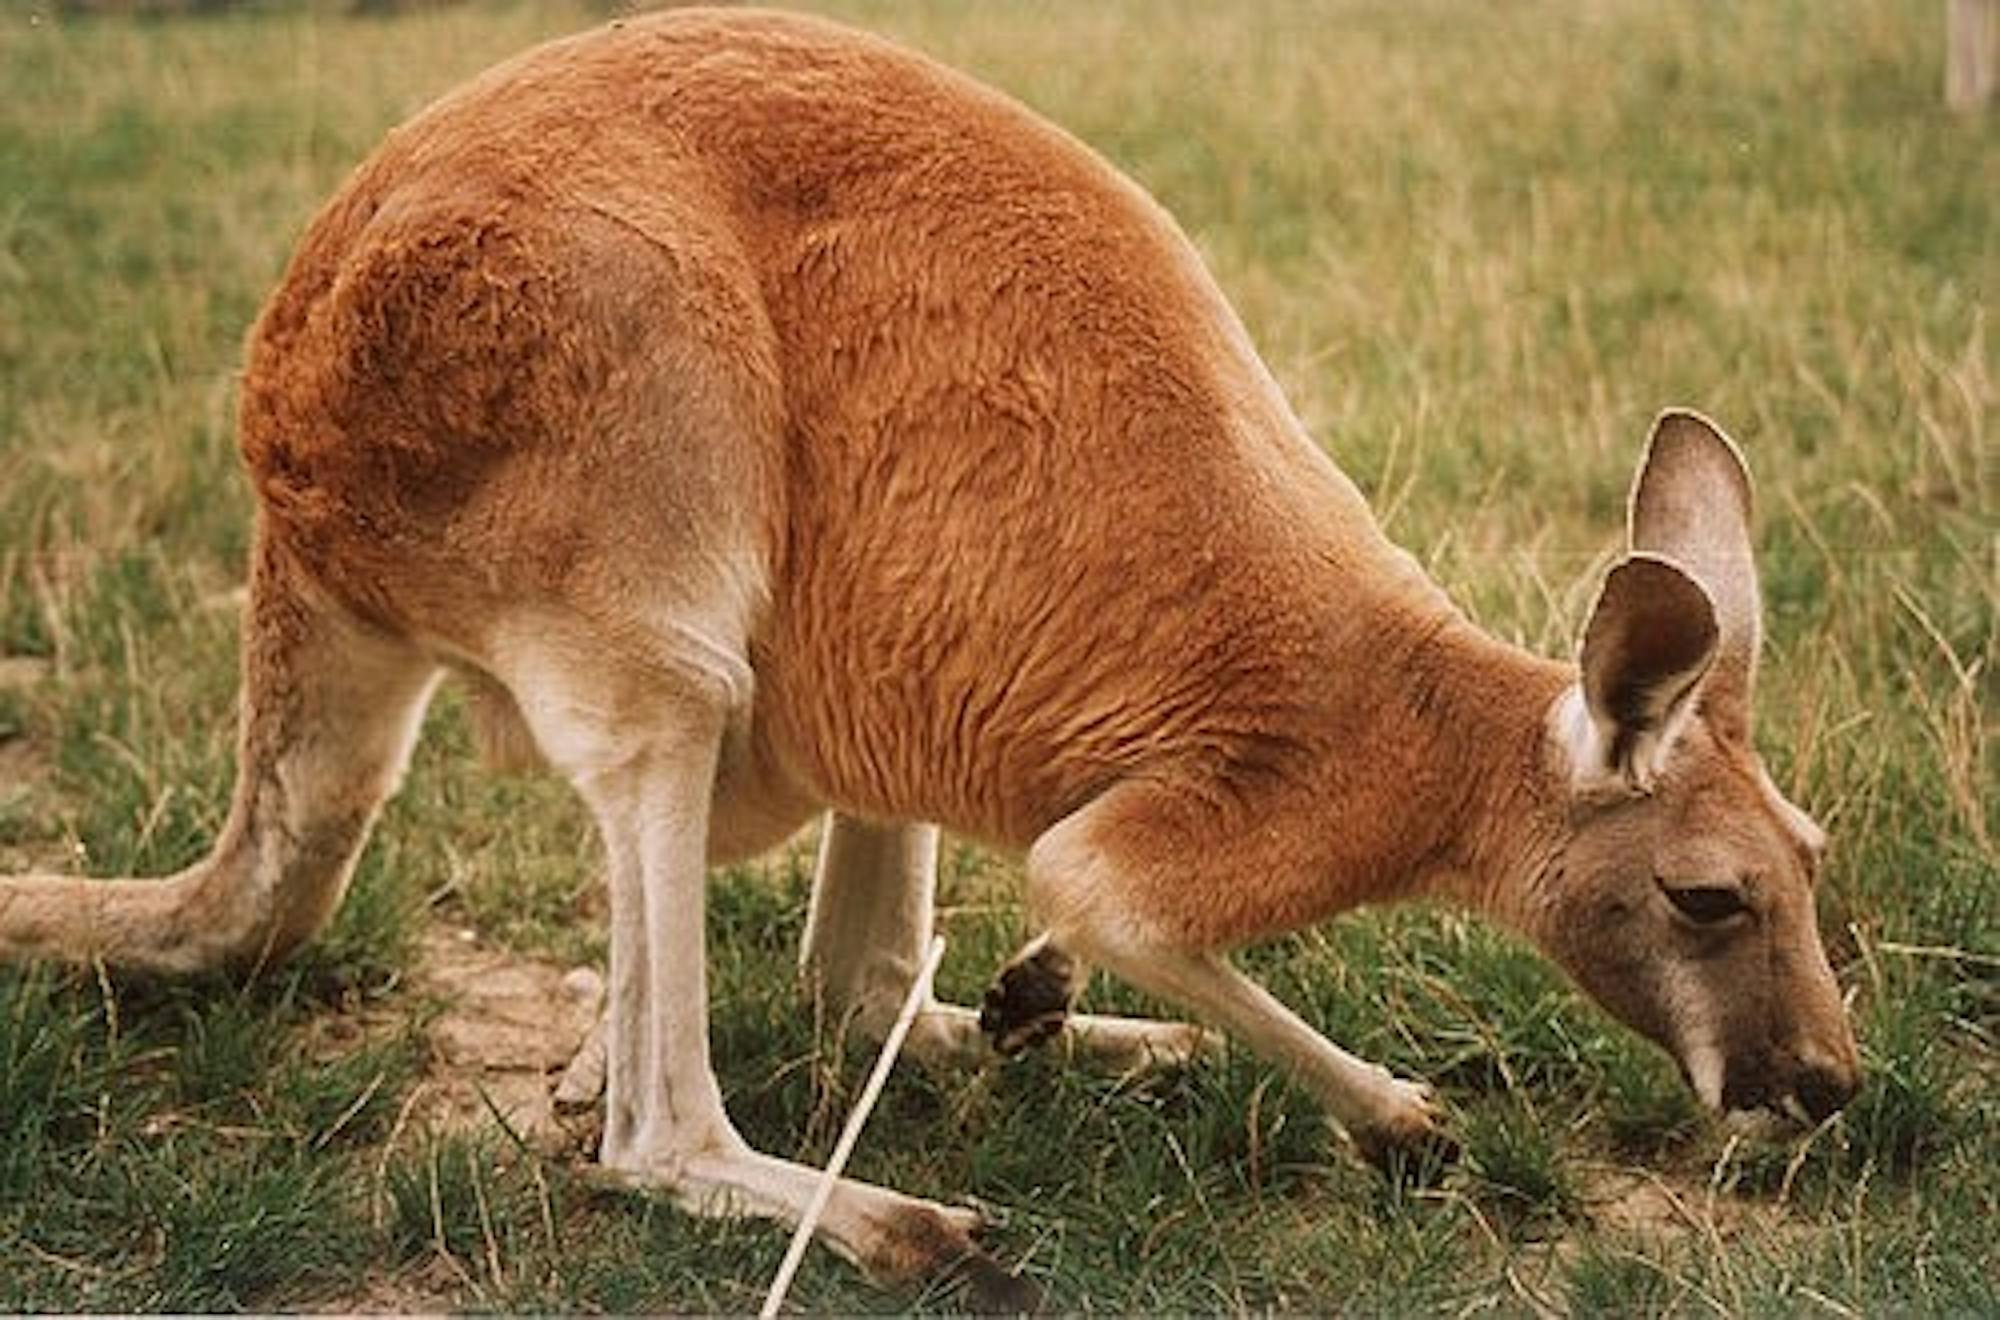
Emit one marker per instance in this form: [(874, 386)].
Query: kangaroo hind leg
[(330, 710), (641, 741), (871, 920), (868, 926)]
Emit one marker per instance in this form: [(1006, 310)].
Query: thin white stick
[(919, 991)]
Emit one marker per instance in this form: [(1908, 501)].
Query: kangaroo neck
[(1433, 777)]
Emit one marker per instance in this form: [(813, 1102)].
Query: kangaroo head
[(1681, 894)]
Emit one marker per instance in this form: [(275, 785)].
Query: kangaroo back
[(831, 308)]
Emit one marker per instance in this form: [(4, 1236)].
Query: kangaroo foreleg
[(1096, 875)]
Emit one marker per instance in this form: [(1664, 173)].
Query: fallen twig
[(920, 989)]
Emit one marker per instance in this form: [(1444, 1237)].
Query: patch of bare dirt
[(509, 1027), (1684, 1204), (431, 1290), (505, 1028), (1626, 1200)]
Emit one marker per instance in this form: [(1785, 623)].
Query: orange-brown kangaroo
[(778, 422)]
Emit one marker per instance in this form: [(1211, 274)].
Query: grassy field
[(1480, 245)]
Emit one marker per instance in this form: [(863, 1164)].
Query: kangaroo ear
[(1691, 504), (1650, 640)]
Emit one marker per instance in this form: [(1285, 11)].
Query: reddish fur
[(914, 314)]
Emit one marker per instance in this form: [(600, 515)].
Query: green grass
[(1481, 246)]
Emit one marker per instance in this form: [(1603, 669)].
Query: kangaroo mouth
[(1806, 1100), (1725, 1090), (1745, 1096)]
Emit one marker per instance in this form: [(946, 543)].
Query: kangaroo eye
[(1705, 905)]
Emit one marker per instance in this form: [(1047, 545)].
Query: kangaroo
[(774, 423)]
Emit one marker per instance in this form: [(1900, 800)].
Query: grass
[(1480, 245)]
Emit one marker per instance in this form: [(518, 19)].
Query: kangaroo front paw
[(1029, 1001), (1409, 1142)]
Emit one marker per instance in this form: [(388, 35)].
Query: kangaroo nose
[(1823, 1089)]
